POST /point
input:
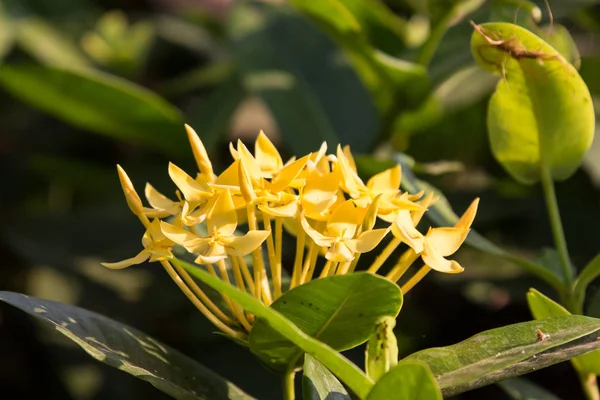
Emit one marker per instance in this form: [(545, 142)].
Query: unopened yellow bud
[(246, 187), (200, 154), (133, 200)]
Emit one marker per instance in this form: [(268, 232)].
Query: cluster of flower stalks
[(319, 199)]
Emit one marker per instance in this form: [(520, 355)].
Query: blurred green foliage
[(89, 83)]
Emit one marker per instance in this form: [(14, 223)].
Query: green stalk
[(557, 228), (289, 392)]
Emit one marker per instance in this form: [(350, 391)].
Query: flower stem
[(274, 263), (416, 278), (556, 225), (300, 247), (289, 392), (196, 302), (589, 383)]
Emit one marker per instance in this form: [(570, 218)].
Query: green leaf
[(541, 117), (559, 37), (299, 73), (100, 103), (341, 367), (522, 389), (340, 311), (359, 29), (129, 350), (320, 384), (543, 307), (587, 276), (47, 45), (441, 213), (409, 380), (509, 351)]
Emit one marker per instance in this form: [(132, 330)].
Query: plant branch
[(556, 225)]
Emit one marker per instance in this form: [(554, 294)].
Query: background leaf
[(320, 384), (340, 311), (284, 60), (129, 350), (98, 102), (501, 353)]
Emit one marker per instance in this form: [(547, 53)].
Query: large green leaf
[(129, 350), (409, 380), (509, 351), (543, 307), (341, 367), (340, 311), (441, 213), (540, 118), (320, 384), (301, 75), (98, 102), (522, 389)]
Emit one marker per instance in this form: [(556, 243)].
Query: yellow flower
[(221, 223), (340, 231), (319, 198), (443, 242), (157, 247)]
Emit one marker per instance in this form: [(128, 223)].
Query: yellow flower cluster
[(319, 199)]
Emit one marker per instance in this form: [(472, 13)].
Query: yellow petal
[(158, 201), (340, 252), (200, 154), (403, 229), (467, 218), (140, 258), (367, 241), (436, 261), (214, 253), (344, 220), (288, 210), (223, 216), (229, 177), (315, 235), (191, 189), (133, 200), (246, 244), (181, 236), (446, 241), (287, 175), (267, 156), (191, 216), (320, 189), (349, 157), (386, 181), (350, 181), (371, 214)]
